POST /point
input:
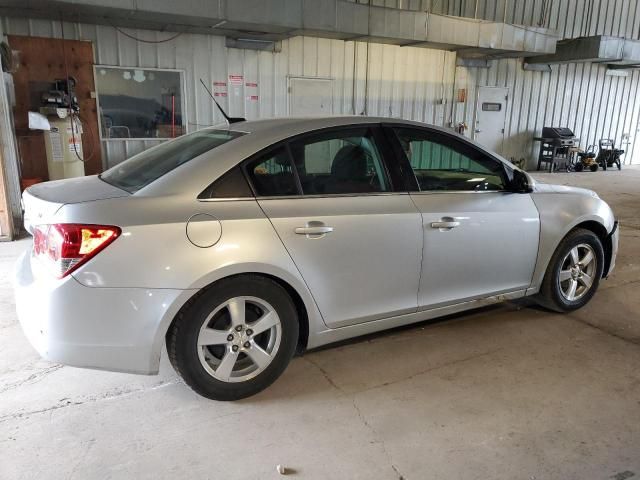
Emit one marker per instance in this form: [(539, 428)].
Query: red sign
[(236, 79), (252, 97), (219, 94), (251, 84), (219, 84)]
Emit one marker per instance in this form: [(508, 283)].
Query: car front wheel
[(574, 272), (235, 339)]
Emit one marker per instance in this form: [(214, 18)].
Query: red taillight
[(66, 246)]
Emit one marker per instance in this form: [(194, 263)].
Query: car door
[(480, 239), (356, 241)]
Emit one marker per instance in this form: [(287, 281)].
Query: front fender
[(561, 212)]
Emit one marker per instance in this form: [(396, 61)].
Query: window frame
[(183, 102), (445, 139), (395, 181)]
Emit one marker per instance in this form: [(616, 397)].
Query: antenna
[(229, 119)]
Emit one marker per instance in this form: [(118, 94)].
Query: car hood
[(541, 187)]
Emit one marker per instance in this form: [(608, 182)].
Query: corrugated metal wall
[(413, 83), (402, 82), (579, 96)]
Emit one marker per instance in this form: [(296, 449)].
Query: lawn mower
[(585, 160), (609, 155)]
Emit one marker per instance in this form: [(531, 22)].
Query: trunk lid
[(41, 201)]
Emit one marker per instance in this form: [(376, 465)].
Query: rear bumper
[(119, 329)]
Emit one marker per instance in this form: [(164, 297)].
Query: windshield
[(146, 167)]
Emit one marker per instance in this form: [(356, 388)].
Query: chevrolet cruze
[(238, 246)]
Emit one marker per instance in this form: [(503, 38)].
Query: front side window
[(146, 167), (440, 164), (343, 162)]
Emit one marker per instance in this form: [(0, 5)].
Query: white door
[(490, 117), (310, 96)]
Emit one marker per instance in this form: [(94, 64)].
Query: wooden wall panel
[(6, 228), (42, 61)]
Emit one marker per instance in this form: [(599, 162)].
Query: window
[(272, 174), (491, 107), (139, 103), (341, 162), (440, 164), (232, 184), (142, 169)]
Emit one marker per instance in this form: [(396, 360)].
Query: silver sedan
[(237, 247)]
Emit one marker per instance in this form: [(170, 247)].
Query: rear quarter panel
[(153, 250)]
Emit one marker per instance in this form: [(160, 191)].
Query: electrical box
[(63, 145)]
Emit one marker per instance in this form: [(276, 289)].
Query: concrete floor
[(509, 392)]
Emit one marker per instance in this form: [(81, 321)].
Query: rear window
[(146, 167)]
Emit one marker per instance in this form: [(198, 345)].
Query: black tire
[(578, 167), (182, 339), (551, 295), (619, 165), (594, 167)]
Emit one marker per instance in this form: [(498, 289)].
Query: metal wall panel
[(578, 96), (376, 79)]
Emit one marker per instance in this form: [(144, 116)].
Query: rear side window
[(231, 185), (340, 162), (272, 174), (146, 167)]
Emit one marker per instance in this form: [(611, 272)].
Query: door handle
[(446, 223), (314, 230)]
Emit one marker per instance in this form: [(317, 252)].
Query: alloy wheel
[(239, 339), (577, 272)]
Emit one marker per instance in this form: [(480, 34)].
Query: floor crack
[(377, 440), (324, 373), (632, 341), (431, 369), (81, 458), (31, 379), (82, 401)]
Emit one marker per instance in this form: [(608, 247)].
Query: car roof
[(288, 125)]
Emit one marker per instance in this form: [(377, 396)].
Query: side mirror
[(520, 182)]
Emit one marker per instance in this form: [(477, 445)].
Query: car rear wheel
[(574, 272), (236, 339)]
